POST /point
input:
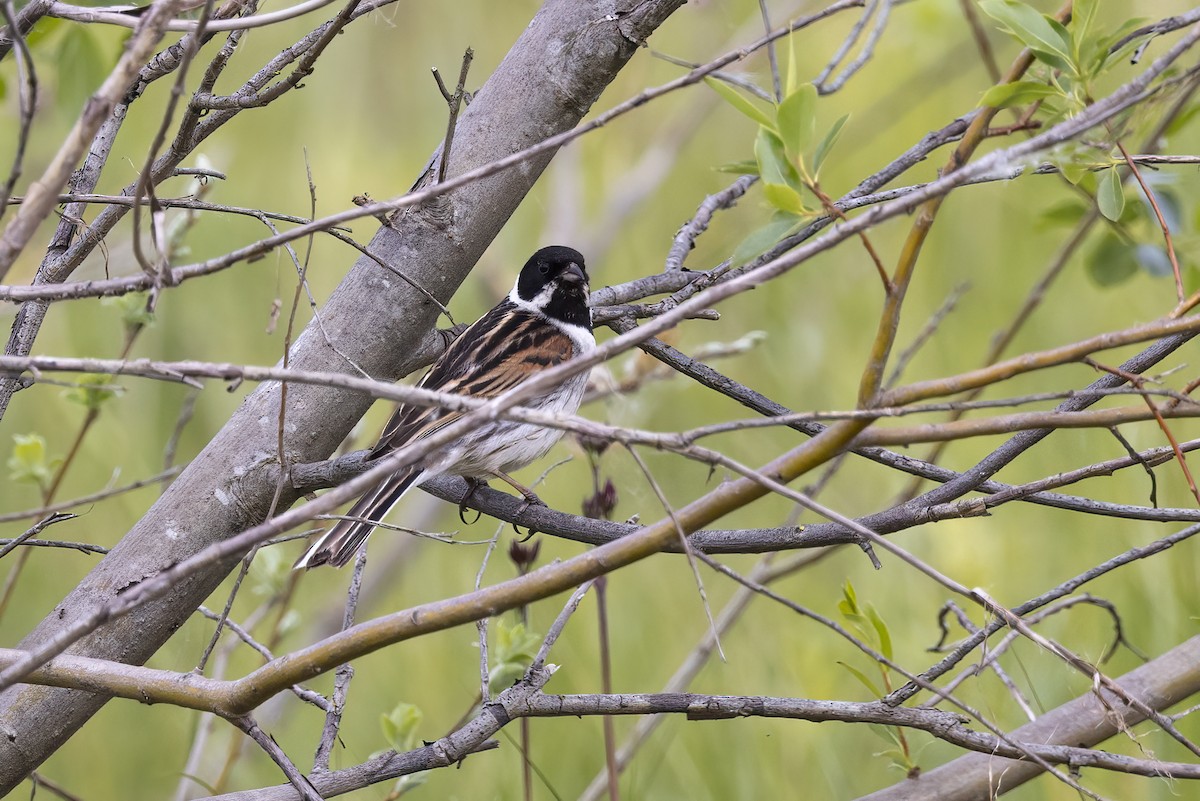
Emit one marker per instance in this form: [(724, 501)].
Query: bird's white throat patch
[(582, 337)]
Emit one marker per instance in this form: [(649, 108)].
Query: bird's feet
[(473, 485), (531, 498)]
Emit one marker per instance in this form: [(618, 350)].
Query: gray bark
[(1084, 722), (549, 79)]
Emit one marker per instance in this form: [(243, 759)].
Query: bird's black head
[(555, 280)]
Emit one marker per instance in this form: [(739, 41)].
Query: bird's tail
[(338, 545)]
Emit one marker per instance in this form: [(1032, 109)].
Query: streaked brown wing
[(499, 351)]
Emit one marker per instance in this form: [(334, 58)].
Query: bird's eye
[(544, 268)]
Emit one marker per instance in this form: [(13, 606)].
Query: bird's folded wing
[(501, 350)]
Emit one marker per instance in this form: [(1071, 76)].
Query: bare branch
[(945, 726), (92, 14), (27, 98), (42, 193), (267, 743), (1087, 720), (84, 500)]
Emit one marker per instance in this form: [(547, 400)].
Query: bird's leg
[(531, 499), (473, 485)]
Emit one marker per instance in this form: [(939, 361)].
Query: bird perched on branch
[(543, 322)]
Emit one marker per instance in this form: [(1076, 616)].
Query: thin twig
[(686, 238), (186, 410), (684, 544), (102, 495), (776, 84), (39, 781), (20, 229), (120, 286), (34, 530), (847, 43), (1162, 222), (85, 547), (1062, 590), (144, 186), (606, 685), (927, 331), (267, 743), (344, 674), (301, 692), (99, 15), (883, 660), (455, 104), (884, 8), (26, 98), (1138, 381), (979, 34)]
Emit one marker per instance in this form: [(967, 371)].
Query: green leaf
[(399, 729), (1075, 171), (849, 595), (400, 726), (1083, 43), (864, 679), (514, 650), (1017, 93), (133, 307), (888, 733), (740, 167), (515, 643), (786, 199), (1112, 262), (1110, 196), (797, 120), (1033, 29), (763, 239), (739, 101), (389, 730), (773, 166), (793, 71), (93, 391), (827, 143), (1064, 36), (1083, 14), (855, 619), (1054, 109), (881, 629), (28, 461)]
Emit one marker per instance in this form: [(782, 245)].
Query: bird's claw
[(473, 485), (526, 536)]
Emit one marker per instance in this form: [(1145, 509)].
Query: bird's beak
[(574, 274)]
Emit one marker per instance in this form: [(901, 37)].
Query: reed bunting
[(544, 321)]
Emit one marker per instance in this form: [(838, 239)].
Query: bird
[(544, 321)]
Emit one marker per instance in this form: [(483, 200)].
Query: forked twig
[(454, 101)]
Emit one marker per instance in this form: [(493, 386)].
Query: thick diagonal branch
[(547, 82)]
